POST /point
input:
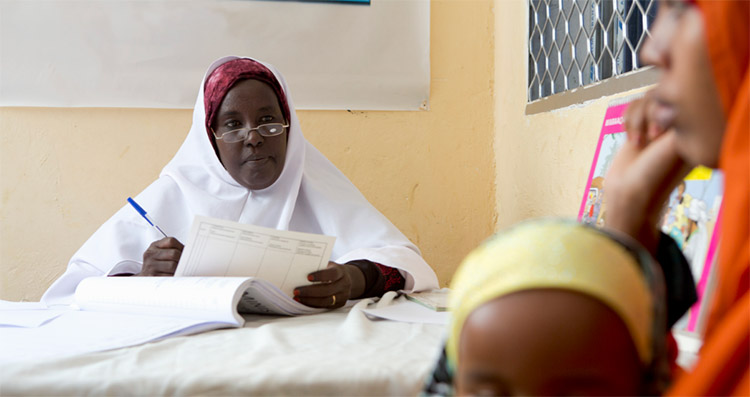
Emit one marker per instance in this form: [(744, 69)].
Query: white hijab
[(311, 195)]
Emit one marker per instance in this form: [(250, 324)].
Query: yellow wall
[(542, 160), (64, 171)]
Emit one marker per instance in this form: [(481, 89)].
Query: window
[(575, 43)]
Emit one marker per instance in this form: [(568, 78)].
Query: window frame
[(618, 83)]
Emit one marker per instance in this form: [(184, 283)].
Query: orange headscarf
[(723, 366)]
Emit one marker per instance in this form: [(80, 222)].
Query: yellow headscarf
[(554, 254)]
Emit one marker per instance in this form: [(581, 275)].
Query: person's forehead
[(531, 337), (541, 318)]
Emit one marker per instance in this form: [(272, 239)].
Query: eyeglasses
[(241, 134)]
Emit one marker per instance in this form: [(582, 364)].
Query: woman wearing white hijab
[(270, 176)]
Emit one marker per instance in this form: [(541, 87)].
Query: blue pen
[(143, 214)]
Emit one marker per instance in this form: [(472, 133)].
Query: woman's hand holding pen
[(161, 258), (333, 286)]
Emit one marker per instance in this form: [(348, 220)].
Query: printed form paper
[(217, 247)]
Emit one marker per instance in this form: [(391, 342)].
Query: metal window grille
[(574, 43)]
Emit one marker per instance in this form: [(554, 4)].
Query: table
[(341, 352)]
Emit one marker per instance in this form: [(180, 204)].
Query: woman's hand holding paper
[(333, 286)]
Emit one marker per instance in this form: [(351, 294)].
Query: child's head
[(554, 307)]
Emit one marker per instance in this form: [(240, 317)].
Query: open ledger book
[(117, 312), (210, 302), (226, 268)]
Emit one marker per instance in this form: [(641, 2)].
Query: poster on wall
[(690, 216), (371, 55)]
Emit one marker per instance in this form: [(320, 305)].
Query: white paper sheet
[(217, 247), (8, 305), (28, 314), (407, 311), (78, 332)]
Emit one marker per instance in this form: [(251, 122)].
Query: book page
[(217, 247), (265, 298), (28, 314), (77, 332), (204, 298)]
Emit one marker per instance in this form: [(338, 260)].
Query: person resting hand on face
[(698, 114), (245, 160), (554, 307)]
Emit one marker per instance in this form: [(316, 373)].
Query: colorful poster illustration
[(690, 217), (593, 209)]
